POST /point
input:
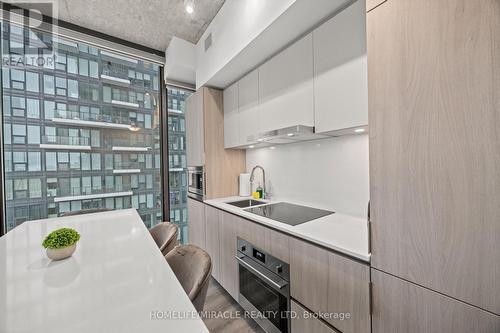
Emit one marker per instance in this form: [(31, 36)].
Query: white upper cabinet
[(249, 108), (195, 137), (340, 71), (286, 87), (231, 117)]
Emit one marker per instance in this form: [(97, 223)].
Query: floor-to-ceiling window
[(177, 157), (81, 128)]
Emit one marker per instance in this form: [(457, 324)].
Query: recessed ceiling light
[(290, 134), (260, 140), (359, 130), (252, 146), (272, 147), (189, 6)]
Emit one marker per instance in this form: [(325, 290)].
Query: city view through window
[(80, 132), (177, 158)]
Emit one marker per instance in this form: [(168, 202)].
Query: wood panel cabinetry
[(286, 87), (212, 242), (371, 4), (320, 279), (326, 282), (434, 79), (205, 144), (340, 71), (273, 242), (401, 306), (196, 222), (228, 229), (304, 322)]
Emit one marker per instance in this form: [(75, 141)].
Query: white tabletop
[(113, 282)]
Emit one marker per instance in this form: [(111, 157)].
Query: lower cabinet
[(228, 270), (212, 243), (320, 280), (333, 284), (304, 322), (196, 222), (401, 306)]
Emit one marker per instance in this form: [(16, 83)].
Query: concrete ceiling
[(150, 23)]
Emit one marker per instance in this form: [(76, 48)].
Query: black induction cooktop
[(289, 213)]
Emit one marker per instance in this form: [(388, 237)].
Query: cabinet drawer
[(303, 323), (273, 242), (326, 282)]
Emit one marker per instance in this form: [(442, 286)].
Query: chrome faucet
[(263, 179)]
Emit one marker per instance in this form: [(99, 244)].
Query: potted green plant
[(61, 243)]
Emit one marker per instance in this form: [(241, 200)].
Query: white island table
[(116, 281)]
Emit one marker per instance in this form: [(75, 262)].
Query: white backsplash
[(329, 173)]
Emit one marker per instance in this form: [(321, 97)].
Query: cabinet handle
[(260, 274)]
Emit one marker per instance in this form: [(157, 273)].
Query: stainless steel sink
[(246, 203)]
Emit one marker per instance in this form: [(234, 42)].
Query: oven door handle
[(279, 285)]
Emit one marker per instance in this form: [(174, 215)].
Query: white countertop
[(112, 283), (339, 232)]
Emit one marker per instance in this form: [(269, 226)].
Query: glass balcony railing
[(128, 165), (78, 191), (75, 115), (65, 140)]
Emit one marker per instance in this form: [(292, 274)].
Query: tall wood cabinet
[(434, 113), (205, 144)]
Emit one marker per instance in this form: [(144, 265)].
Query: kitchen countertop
[(343, 233), (113, 282)]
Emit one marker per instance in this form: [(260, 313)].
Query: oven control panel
[(273, 264)]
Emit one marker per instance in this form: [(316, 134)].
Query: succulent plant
[(60, 238)]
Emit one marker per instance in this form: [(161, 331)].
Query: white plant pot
[(62, 253)]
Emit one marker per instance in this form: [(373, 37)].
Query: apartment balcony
[(131, 146), (115, 78), (76, 118), (127, 167), (65, 142), (86, 193)]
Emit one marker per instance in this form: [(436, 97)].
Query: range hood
[(290, 135)]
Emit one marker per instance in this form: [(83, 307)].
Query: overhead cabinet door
[(340, 71), (195, 143), (249, 108), (286, 87), (231, 117)]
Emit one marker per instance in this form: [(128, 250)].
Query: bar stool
[(193, 268), (165, 236)]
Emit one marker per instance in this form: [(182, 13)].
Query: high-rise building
[(177, 157), (80, 131)]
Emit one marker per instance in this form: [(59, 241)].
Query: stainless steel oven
[(196, 186), (264, 283)]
